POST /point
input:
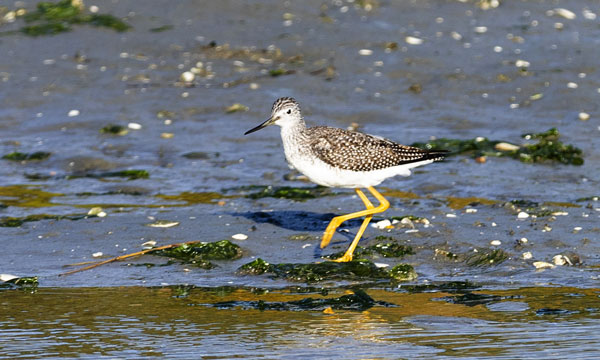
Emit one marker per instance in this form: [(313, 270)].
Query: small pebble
[(560, 213), (583, 116), (481, 29), (97, 254), (522, 63), (239, 237), (504, 146), (381, 265), (572, 85), (365, 52), (522, 215), (163, 224), (450, 215), (470, 210), (166, 135), (543, 265), (73, 113), (567, 14), (187, 77), (413, 40), (523, 240), (382, 224), (495, 242), (561, 260), (527, 255), (149, 244), (134, 126)]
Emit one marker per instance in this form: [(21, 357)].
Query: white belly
[(324, 174)]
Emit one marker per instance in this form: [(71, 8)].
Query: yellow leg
[(336, 221)]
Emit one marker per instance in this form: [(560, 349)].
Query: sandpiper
[(341, 158)]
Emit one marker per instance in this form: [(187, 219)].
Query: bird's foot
[(345, 258)]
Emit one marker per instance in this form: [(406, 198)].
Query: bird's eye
[(289, 111)]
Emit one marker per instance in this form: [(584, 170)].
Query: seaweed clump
[(200, 254), (54, 18), (114, 130), (19, 156), (386, 250), (27, 283), (288, 192), (129, 174), (358, 301), (315, 272), (547, 149)]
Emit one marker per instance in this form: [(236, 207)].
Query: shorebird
[(341, 158)]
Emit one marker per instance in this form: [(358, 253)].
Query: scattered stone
[(96, 211), (239, 237), (560, 260), (527, 255), (583, 116), (134, 126), (365, 52), (97, 254), (383, 224), (236, 107), (73, 113), (413, 40), (523, 215), (187, 77), (495, 243), (567, 14), (163, 224), (504, 146), (543, 265), (149, 244)]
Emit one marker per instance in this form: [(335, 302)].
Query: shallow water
[(137, 322), (470, 86)]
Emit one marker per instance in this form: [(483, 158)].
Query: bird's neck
[(292, 135), (293, 131)]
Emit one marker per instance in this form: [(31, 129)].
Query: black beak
[(270, 121)]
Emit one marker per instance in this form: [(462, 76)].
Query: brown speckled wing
[(356, 151)]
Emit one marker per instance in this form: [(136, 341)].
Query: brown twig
[(123, 257)]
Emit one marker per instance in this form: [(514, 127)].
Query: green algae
[(314, 272), (474, 299), (54, 18), (200, 254), (114, 130), (287, 192), (449, 287), (358, 301), (386, 250), (547, 149), (129, 174), (27, 196), (531, 207), (25, 283), (280, 72), (19, 156), (161, 28), (403, 272), (487, 258), (192, 198), (10, 221)]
